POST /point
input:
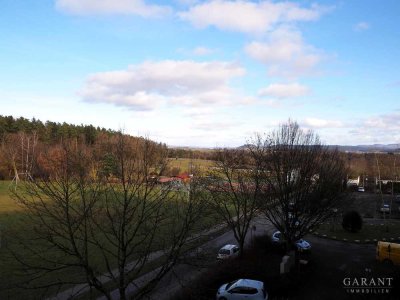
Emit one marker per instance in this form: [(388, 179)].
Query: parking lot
[(368, 204)]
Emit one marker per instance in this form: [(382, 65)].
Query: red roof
[(183, 176), (167, 179)]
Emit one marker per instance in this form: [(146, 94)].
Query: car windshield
[(224, 251), (230, 284)]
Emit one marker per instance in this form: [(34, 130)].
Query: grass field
[(378, 231), (7, 204), (13, 223), (188, 165)]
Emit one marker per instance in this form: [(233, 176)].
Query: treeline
[(51, 132), (383, 165), (25, 144), (191, 153)]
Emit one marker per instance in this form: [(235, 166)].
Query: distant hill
[(395, 148)]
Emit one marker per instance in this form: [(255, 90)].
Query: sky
[(205, 73)]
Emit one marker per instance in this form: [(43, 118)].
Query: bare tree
[(234, 191), (105, 230), (58, 213), (20, 151), (302, 180)]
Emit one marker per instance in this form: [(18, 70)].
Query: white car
[(361, 189), (228, 251), (301, 245), (242, 289), (276, 237)]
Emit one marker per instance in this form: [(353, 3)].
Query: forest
[(22, 139), (25, 143)]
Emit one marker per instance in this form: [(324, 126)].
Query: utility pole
[(394, 176), (364, 180), (380, 191)]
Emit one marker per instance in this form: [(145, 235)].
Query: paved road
[(182, 274), (337, 255)]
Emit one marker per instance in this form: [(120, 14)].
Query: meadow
[(187, 165), (16, 226)]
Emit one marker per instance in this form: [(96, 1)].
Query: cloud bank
[(285, 53), (248, 17), (282, 91), (147, 85)]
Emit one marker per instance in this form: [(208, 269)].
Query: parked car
[(361, 189), (397, 199), (228, 251), (276, 237), (301, 245), (242, 289), (385, 208)]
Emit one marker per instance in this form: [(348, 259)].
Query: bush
[(368, 215), (352, 221)]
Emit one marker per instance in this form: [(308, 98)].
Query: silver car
[(228, 251), (242, 289), (301, 245)]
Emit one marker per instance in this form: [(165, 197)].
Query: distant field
[(187, 164)]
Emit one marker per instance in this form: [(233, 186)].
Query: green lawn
[(187, 164), (368, 232), (13, 223), (7, 204)]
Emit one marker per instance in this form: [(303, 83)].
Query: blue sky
[(205, 73)]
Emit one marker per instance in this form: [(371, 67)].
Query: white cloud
[(198, 112), (285, 53), (361, 26), (197, 51), (314, 123), (201, 51), (375, 129), (281, 91), (111, 7), (389, 122), (248, 17), (147, 85), (214, 125)]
